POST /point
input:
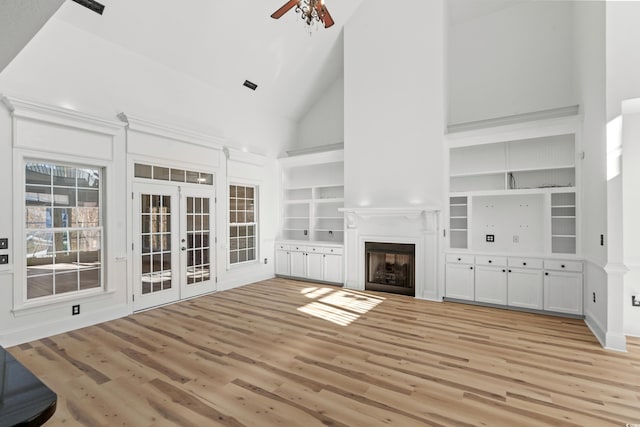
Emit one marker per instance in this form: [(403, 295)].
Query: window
[(63, 229), (243, 226)]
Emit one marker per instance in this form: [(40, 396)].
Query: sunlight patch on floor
[(338, 306)]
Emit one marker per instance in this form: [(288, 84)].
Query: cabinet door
[(459, 281), (525, 288), (315, 266), (563, 292), (298, 264), (491, 284), (333, 268), (282, 263)]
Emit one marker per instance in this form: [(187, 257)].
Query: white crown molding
[(35, 111), (334, 156), (500, 130), (552, 113), (157, 129), (240, 156), (313, 150)]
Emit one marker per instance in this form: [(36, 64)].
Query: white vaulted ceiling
[(223, 42)]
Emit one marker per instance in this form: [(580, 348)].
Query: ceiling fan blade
[(284, 9), (326, 17)]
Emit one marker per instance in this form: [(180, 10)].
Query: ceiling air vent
[(250, 85), (92, 5)]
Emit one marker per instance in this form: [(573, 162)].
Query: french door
[(173, 248)]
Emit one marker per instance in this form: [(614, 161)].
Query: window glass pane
[(161, 173), (177, 175), (38, 173), (142, 171), (242, 215), (38, 196), (64, 176), (88, 198), (65, 261), (88, 178), (39, 286), (206, 178), (193, 177)]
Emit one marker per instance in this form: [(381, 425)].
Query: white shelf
[(313, 193), (561, 216), (458, 217), (572, 236)]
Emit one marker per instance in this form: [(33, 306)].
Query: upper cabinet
[(313, 193)]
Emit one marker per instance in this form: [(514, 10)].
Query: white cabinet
[(311, 262), (315, 266), (525, 288), (283, 266), (333, 268), (459, 278), (551, 285), (563, 287)]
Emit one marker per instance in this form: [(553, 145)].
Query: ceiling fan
[(310, 11)]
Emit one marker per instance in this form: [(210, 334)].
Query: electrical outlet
[(635, 301), (4, 259), (490, 238), (75, 310), (594, 297), (516, 239), (4, 243), (265, 260)]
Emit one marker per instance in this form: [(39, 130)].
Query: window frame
[(255, 223), (20, 301)]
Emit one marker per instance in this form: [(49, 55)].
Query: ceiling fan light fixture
[(312, 12)]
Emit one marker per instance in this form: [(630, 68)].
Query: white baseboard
[(48, 329), (608, 341)]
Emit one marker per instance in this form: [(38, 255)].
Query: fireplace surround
[(413, 225)]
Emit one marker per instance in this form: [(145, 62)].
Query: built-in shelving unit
[(312, 198), (534, 163), (563, 223), (513, 188), (458, 222)]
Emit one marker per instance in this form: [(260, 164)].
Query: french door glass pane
[(155, 238), (198, 260)]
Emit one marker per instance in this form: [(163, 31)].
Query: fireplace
[(390, 267)]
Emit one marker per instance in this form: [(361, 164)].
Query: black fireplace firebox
[(390, 267)]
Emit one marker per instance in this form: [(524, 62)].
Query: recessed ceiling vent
[(250, 85), (92, 5)]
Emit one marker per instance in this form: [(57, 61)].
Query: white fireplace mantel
[(428, 214), (415, 224)]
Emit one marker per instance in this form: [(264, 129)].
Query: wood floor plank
[(288, 353)]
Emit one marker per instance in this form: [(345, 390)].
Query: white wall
[(623, 89), (323, 124), (511, 61), (623, 55), (602, 277), (394, 104), (20, 20), (68, 67)]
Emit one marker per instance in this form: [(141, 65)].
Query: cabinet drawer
[(335, 251), (459, 259), (297, 248), (525, 262), (282, 247), (491, 260), (314, 249), (563, 265)]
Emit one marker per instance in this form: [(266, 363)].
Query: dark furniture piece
[(24, 399)]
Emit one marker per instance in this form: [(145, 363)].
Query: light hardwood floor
[(290, 353)]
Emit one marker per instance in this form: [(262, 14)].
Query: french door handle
[(184, 248)]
